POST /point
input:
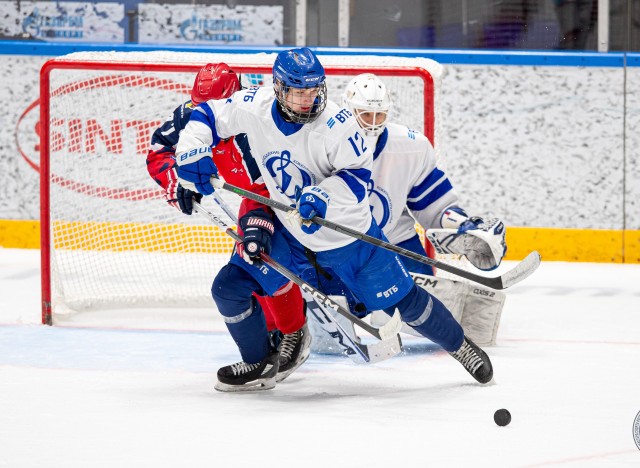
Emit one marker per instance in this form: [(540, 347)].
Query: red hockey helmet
[(214, 81)]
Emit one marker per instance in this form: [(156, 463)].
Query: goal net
[(109, 239)]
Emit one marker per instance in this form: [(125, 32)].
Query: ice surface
[(93, 393)]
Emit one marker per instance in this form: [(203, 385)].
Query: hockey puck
[(502, 417)]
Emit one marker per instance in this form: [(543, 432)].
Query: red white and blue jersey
[(166, 136), (406, 183), (330, 152), (232, 156)]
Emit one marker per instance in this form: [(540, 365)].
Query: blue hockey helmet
[(299, 69)]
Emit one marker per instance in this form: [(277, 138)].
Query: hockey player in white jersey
[(407, 186), (313, 156)]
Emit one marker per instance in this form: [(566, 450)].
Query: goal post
[(108, 238)]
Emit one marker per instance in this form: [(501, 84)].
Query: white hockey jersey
[(330, 152), (406, 180)]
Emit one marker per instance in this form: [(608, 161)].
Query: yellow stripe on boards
[(631, 246), (19, 234), (572, 245), (118, 237)]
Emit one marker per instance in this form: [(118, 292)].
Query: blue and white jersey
[(330, 152), (406, 182)]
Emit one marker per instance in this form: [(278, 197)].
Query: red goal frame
[(190, 68)]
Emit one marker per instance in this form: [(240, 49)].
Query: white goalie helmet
[(366, 96)]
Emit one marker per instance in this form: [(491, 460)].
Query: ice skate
[(243, 377), (294, 351), (474, 360)]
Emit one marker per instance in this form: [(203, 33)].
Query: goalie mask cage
[(109, 241)]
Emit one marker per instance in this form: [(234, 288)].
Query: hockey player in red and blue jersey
[(284, 309)]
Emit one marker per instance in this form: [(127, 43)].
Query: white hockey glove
[(482, 242), (294, 220)]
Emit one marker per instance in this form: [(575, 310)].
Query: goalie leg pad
[(476, 308), (482, 313), (322, 341)]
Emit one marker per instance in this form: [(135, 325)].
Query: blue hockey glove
[(313, 201), (195, 170), (185, 199), (257, 227)]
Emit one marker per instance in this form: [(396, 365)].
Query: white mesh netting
[(114, 241)]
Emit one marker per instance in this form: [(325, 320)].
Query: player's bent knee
[(431, 318), (232, 289), (412, 305)]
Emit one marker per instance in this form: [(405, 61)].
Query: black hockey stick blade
[(521, 271)]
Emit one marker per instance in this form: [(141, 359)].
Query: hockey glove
[(257, 227), (185, 199), (482, 242), (195, 170), (313, 201), (161, 166)]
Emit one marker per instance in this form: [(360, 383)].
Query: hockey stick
[(321, 307), (358, 352), (226, 208), (521, 271), (387, 332)]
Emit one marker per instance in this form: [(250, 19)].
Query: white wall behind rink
[(539, 146)]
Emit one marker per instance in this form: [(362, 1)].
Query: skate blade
[(257, 386)]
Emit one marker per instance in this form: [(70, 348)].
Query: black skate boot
[(294, 351), (275, 337), (474, 360), (243, 377)]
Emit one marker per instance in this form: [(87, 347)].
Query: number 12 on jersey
[(357, 143)]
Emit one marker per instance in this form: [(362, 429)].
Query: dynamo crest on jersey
[(380, 204), (287, 173)]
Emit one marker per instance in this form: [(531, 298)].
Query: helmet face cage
[(299, 69), (288, 102), (366, 93), (214, 81)]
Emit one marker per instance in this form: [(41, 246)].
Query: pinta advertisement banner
[(210, 24), (63, 21)]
